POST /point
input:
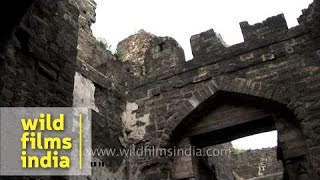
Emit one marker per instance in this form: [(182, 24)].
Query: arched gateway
[(153, 97), (228, 109)]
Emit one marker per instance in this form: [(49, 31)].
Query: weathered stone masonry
[(38, 59), (249, 164), (274, 63), (154, 97)]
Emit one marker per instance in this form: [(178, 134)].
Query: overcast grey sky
[(181, 19)]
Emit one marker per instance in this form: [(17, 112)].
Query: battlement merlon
[(205, 42), (271, 27), (210, 45)]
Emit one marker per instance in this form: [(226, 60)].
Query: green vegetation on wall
[(103, 43)]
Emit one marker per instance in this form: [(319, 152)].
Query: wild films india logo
[(45, 141), (52, 145)]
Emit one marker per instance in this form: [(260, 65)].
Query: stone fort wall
[(49, 58), (250, 164)]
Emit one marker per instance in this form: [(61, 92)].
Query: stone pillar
[(185, 167), (292, 151)]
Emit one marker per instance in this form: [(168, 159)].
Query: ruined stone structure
[(152, 96), (249, 164), (260, 163)]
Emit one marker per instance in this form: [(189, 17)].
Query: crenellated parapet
[(162, 56), (269, 28), (144, 55)]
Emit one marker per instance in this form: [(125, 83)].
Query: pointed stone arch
[(281, 97), (277, 94)]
